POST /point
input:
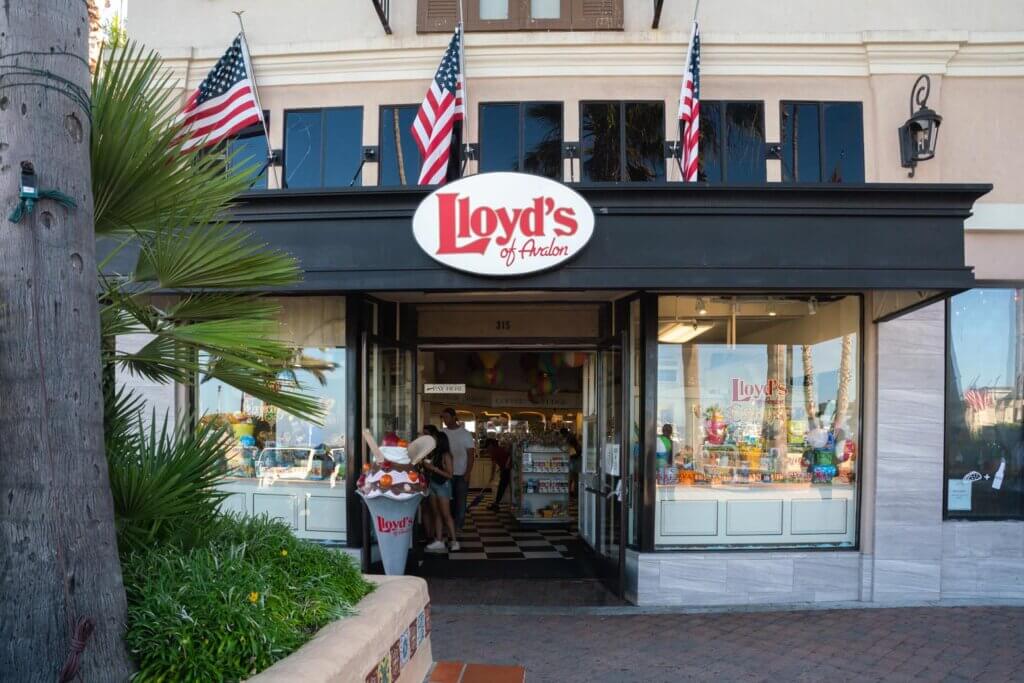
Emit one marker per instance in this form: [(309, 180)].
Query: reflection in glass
[(744, 142), (302, 148), (542, 139), (801, 143), (399, 155), (985, 404), (645, 141), (822, 142), (493, 9), (266, 435), (249, 153), (752, 406), (343, 146), (499, 137), (600, 142), (844, 143), (710, 149)]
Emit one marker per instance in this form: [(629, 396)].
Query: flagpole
[(465, 90), (256, 96), (686, 67)]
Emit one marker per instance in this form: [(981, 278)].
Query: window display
[(280, 465), (758, 420), (985, 405)]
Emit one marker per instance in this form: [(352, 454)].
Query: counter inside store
[(725, 491)]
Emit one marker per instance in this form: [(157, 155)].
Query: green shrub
[(231, 608)]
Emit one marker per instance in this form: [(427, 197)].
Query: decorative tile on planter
[(402, 650)]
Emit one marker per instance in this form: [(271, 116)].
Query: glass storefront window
[(272, 447), (985, 405), (758, 421)]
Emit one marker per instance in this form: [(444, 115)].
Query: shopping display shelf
[(565, 471)]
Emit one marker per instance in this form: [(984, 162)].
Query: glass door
[(610, 461), (389, 400)]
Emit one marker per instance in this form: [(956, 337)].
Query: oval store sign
[(503, 224)]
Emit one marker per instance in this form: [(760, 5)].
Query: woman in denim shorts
[(439, 466)]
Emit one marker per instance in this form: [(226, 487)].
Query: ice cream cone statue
[(392, 489)]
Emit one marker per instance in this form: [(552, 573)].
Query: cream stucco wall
[(329, 53)]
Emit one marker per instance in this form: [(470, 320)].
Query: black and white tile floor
[(490, 535)]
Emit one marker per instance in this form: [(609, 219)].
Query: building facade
[(836, 348)]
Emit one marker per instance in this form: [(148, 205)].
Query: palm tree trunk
[(60, 559), (399, 155), (691, 396), (775, 405), (810, 399), (845, 377)]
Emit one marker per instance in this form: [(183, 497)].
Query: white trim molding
[(510, 55), (996, 216)]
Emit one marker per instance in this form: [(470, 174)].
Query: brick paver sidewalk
[(927, 643)]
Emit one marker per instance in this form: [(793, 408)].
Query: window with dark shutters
[(434, 16), (597, 15)]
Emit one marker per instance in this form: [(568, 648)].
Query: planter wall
[(386, 641)]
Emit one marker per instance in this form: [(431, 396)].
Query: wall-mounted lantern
[(921, 131)]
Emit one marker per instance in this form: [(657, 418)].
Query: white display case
[(542, 485), (305, 492)]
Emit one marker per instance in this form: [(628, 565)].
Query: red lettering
[(484, 221), (566, 218), (508, 224), (537, 213), (447, 241), (389, 526)]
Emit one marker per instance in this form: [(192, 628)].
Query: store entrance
[(536, 383), (525, 411)]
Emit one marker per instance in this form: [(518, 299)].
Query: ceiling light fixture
[(680, 332), (701, 308), (812, 306), (771, 308)]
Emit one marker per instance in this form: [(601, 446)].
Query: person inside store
[(426, 505), (664, 446), (439, 467), (463, 449), (575, 455), (501, 463)]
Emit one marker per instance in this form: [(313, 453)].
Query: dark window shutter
[(437, 16), (597, 15)]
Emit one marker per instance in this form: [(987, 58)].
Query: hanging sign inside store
[(503, 224), (444, 388)]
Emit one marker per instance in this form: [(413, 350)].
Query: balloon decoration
[(485, 370), (574, 359), (542, 374)]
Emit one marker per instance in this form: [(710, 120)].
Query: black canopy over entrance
[(773, 236)]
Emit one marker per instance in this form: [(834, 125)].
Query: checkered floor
[(489, 535)]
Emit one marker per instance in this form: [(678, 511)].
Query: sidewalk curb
[(631, 610)]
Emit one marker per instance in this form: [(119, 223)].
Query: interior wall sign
[(503, 224)]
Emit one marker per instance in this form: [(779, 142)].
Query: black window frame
[(722, 105), (380, 144), (959, 515), (623, 167), (521, 123), (323, 156), (820, 104)]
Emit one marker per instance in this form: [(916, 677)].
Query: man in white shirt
[(463, 449)]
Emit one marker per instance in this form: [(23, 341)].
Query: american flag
[(224, 103), (441, 109), (689, 108), (978, 399)]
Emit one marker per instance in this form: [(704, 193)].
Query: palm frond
[(284, 393), (165, 485), (142, 177), (200, 307), (212, 256)]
